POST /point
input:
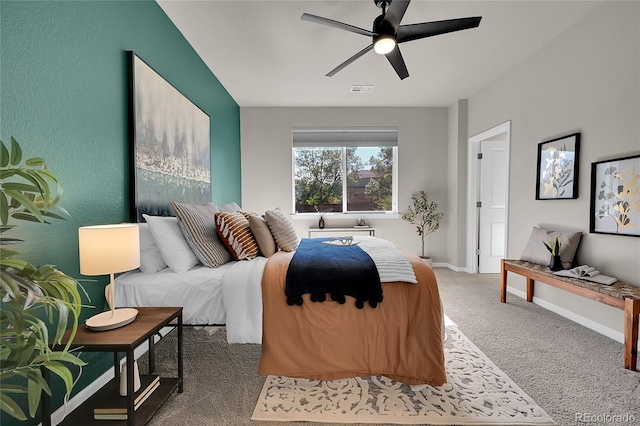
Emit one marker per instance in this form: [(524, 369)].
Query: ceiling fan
[(387, 32)]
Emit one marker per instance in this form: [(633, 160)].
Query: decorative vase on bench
[(555, 264)]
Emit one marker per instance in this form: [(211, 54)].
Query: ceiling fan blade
[(429, 29), (396, 12), (348, 61), (336, 24), (397, 62)]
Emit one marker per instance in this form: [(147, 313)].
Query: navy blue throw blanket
[(320, 269)]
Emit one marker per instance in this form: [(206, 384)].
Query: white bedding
[(230, 294), (198, 290)]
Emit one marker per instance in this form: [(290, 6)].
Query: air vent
[(361, 89)]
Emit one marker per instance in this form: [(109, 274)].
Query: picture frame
[(170, 144), (615, 197), (557, 172)]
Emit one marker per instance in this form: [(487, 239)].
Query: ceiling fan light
[(384, 44)]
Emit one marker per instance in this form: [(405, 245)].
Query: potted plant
[(33, 298), (555, 264), (425, 216)]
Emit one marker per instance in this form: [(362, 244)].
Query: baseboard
[(586, 322), (450, 266), (77, 400)]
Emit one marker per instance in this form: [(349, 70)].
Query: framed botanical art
[(615, 197), (170, 144), (557, 174)]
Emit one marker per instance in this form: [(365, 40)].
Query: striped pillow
[(234, 231), (282, 229), (198, 226)]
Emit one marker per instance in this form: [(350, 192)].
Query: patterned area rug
[(476, 393)]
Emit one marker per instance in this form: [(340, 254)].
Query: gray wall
[(586, 80), (422, 140), (457, 185)]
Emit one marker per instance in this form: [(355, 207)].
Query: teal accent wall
[(63, 96)]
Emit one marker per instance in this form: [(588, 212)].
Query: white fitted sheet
[(198, 291)]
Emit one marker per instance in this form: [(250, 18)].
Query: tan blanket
[(400, 339)]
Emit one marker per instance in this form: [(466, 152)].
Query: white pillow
[(282, 229), (174, 248), (151, 260)]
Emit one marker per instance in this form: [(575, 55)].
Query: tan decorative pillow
[(536, 252), (199, 228), (282, 229), (234, 231), (262, 234)]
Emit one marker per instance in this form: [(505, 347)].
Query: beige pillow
[(282, 230), (262, 234), (199, 228), (233, 229), (536, 252)]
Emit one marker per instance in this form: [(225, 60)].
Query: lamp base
[(111, 319)]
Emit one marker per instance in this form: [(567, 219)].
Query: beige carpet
[(476, 393)]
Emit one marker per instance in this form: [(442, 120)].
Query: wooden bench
[(619, 295)]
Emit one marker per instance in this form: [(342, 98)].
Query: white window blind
[(349, 136)]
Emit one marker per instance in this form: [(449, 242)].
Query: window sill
[(338, 216)]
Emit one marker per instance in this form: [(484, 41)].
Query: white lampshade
[(109, 249)]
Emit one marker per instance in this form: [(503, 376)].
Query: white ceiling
[(265, 55)]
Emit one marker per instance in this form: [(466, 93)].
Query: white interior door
[(494, 169)]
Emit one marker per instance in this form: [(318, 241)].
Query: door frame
[(473, 191)]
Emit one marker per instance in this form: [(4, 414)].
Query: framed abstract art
[(169, 144), (557, 174), (615, 197)]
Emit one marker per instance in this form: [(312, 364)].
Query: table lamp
[(109, 249)]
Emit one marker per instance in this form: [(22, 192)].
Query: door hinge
[(479, 156), (478, 204)]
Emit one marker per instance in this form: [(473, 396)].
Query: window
[(345, 170)]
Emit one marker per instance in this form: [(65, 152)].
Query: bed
[(400, 338)]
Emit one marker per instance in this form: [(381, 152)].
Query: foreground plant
[(31, 297)]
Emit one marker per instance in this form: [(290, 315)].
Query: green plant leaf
[(61, 371), (16, 152), (22, 187), (7, 173), (34, 162), (60, 356), (4, 209), (27, 217), (7, 388), (26, 202), (34, 393), (9, 406), (4, 156)]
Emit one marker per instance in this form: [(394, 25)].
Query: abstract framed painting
[(557, 174), (170, 154), (615, 197)]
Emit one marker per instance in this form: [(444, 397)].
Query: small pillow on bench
[(536, 252)]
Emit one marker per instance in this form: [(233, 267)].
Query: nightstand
[(125, 339)]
